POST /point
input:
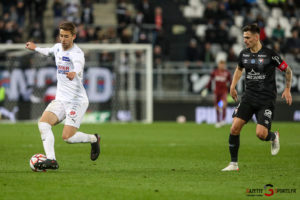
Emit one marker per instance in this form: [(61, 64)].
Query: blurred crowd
[(143, 21)]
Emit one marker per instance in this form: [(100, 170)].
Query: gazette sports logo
[(269, 191)]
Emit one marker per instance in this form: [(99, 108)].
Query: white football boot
[(275, 145), (233, 166)]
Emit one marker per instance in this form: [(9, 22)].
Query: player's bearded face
[(66, 39), (250, 39)]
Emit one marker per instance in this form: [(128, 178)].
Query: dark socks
[(270, 136), (234, 144)]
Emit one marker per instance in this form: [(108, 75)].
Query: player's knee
[(260, 135), (44, 126), (235, 130)]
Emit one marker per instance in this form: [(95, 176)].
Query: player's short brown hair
[(253, 28), (68, 26)]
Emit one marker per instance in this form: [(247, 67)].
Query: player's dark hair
[(68, 26), (253, 28)]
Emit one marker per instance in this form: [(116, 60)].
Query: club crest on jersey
[(268, 113), (72, 114), (260, 61), (64, 58), (252, 61)]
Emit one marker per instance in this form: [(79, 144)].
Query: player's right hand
[(233, 94), (30, 45)]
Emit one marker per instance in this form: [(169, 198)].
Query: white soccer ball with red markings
[(35, 159)]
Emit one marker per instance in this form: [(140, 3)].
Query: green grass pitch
[(158, 161)]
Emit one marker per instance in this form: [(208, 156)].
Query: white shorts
[(72, 112)]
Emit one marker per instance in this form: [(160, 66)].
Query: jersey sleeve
[(78, 63), (45, 51), (278, 61), (240, 60)]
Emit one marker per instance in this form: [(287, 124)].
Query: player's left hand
[(71, 75), (287, 95)]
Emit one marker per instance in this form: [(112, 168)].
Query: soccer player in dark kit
[(260, 94)]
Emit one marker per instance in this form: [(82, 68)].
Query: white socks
[(48, 139), (80, 137)]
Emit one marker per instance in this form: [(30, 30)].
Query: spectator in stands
[(210, 32), (21, 13), (296, 26), (157, 56), (277, 48), (72, 11), (249, 18), (146, 8), (81, 34), (278, 34), (10, 33), (91, 34), (36, 33), (126, 36), (123, 16), (57, 8), (293, 44), (205, 54), (158, 18), (231, 57), (210, 11), (2, 25), (163, 42), (143, 38), (87, 16), (192, 52), (222, 13), (40, 7), (222, 36)]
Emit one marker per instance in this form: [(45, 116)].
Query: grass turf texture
[(158, 161)]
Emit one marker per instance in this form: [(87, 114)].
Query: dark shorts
[(263, 114)]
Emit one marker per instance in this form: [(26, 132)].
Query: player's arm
[(208, 85), (236, 77), (288, 82), (78, 64), (32, 46)]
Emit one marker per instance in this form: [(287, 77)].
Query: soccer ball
[(35, 159)]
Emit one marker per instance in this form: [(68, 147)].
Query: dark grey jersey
[(260, 80)]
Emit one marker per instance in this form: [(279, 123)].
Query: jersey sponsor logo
[(245, 61), (246, 55), (63, 69), (64, 58), (255, 75), (221, 78), (260, 61), (268, 113), (252, 61), (277, 59), (262, 56)]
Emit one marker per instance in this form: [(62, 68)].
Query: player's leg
[(224, 99), (71, 134), (241, 116), (53, 114), (218, 110), (264, 122)]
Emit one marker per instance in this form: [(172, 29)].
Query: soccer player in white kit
[(71, 100)]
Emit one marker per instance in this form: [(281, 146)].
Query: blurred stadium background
[(186, 39)]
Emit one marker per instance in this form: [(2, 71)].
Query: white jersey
[(71, 60)]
